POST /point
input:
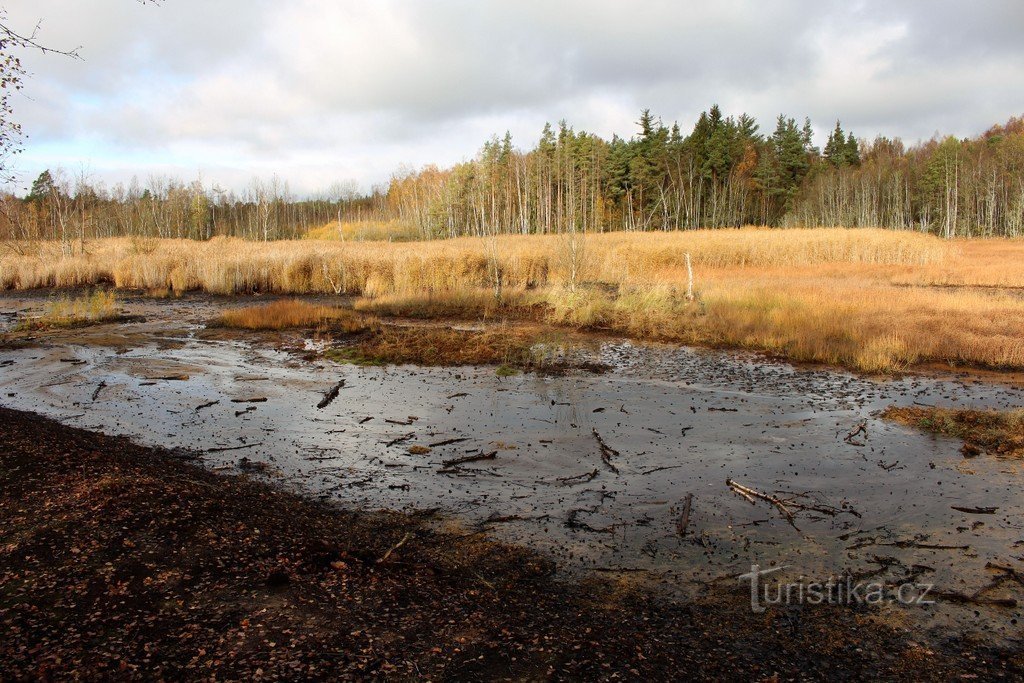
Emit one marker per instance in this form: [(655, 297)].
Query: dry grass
[(365, 231), (504, 346), (998, 433), (872, 300), (290, 313), (90, 309)]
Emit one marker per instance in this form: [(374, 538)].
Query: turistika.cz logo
[(834, 591)]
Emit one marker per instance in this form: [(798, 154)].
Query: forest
[(726, 172)]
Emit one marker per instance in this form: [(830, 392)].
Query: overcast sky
[(321, 91)]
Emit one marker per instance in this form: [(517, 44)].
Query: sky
[(327, 91)]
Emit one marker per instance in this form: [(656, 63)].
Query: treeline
[(724, 172), (63, 208)]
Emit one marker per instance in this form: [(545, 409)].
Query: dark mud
[(594, 471), (119, 562)]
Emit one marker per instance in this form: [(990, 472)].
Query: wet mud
[(621, 473)]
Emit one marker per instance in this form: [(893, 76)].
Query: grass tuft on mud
[(120, 562), (995, 432), (512, 349), (101, 306), (294, 313)]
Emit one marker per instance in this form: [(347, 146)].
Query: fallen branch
[(975, 511), (99, 388), (469, 458), (448, 442), (233, 448), (684, 518), (330, 395), (206, 405), (577, 479), (751, 493), (606, 452), (257, 399), (395, 547), (399, 440), (860, 428)]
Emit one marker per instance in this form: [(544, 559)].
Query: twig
[(684, 518), (395, 547), (606, 452), (749, 492), (470, 458)]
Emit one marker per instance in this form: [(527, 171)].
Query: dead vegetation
[(871, 300), (511, 348), (292, 313), (999, 433)]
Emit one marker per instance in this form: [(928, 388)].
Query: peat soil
[(121, 562)]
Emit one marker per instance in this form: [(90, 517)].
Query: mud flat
[(622, 474)]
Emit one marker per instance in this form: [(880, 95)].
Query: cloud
[(318, 90)]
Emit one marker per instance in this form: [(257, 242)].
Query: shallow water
[(678, 422)]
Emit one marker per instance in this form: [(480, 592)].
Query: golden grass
[(872, 300), (90, 309), (991, 431), (290, 313), (365, 231)]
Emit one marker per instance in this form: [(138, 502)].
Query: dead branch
[(606, 452), (206, 405), (684, 518), (447, 442), (385, 556), (469, 458), (99, 388), (860, 428), (330, 395), (577, 479), (749, 492)]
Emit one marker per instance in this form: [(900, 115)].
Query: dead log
[(330, 395), (684, 518)]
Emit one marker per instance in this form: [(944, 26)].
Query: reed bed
[(872, 300)]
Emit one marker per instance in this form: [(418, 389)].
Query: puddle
[(675, 423)]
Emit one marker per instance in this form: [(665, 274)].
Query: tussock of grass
[(91, 309), (291, 313), (504, 346), (996, 432)]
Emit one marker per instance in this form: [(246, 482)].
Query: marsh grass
[(996, 432), (90, 309), (294, 313), (511, 349), (877, 301)]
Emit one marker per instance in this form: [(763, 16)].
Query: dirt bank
[(119, 561)]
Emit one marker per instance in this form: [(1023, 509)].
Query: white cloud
[(318, 90)]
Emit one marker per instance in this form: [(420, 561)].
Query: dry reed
[(873, 300)]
